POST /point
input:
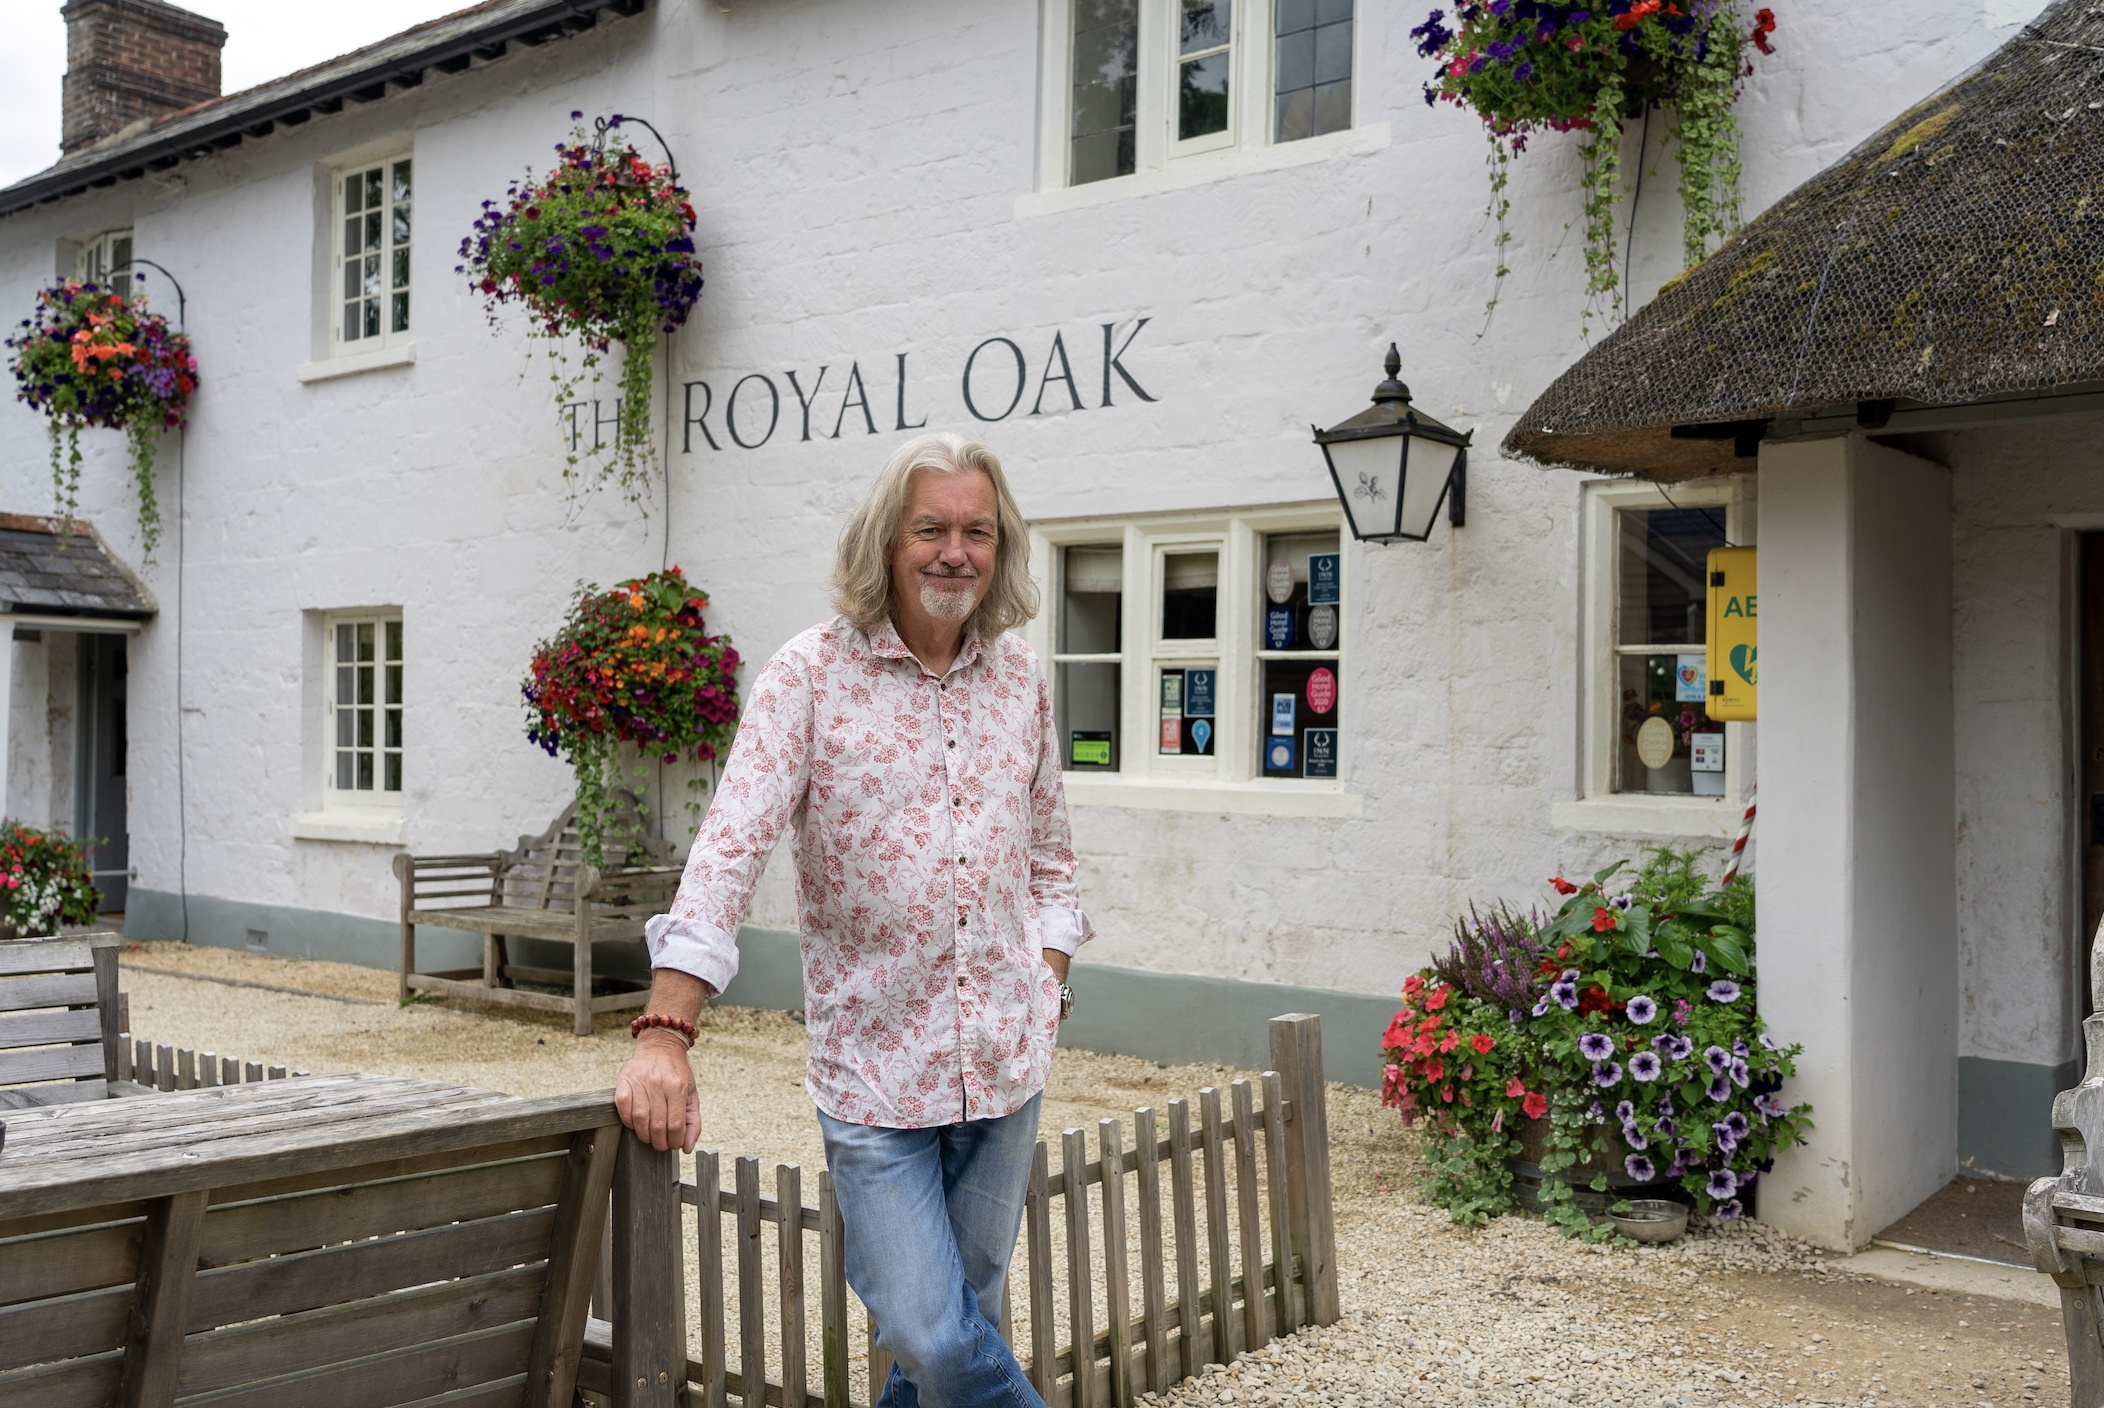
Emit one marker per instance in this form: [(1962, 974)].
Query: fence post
[(1296, 1054), (832, 1276), (650, 1317)]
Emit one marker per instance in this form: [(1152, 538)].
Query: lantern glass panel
[(1368, 472), (1425, 475)]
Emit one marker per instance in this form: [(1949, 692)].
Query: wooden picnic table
[(351, 1239)]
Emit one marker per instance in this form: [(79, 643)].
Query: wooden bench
[(59, 1021), (2064, 1216), (339, 1239), (541, 890)]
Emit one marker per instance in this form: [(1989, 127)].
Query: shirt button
[(953, 743), (956, 801)]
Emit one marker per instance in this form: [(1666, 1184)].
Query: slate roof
[(46, 570), (1954, 258), (452, 44)]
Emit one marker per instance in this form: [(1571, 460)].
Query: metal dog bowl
[(1652, 1220)]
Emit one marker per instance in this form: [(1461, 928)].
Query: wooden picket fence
[(1245, 1250), (180, 1068)]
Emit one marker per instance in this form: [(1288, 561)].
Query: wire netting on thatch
[(1958, 254)]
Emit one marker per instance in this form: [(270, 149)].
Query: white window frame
[(93, 261), (356, 801), (390, 344), (1598, 806), (1160, 160), (1231, 780)]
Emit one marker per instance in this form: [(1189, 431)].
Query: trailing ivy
[(1526, 66)]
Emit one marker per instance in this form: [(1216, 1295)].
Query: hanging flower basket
[(91, 355), (600, 250), (1526, 66), (633, 665)]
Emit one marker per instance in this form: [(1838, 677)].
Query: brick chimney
[(132, 59)]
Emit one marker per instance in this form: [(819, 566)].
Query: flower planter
[(1599, 1162)]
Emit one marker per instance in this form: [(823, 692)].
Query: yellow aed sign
[(1734, 635)]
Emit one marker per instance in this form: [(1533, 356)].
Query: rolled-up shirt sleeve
[(761, 788), (1060, 923)]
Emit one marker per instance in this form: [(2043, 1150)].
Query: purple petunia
[(1607, 1074), (1700, 963), (1720, 1089), (1642, 1009), (1737, 1123), (1595, 1046), (1717, 1059), (1596, 1112), (1724, 990), (1625, 1111), (1640, 1168), (1770, 1106), (1769, 1043), (1722, 1184), (1727, 1142), (1515, 1016), (1634, 1137), (1664, 1127), (1730, 1210), (1645, 1066), (1622, 902), (1740, 1076), (1541, 1008)]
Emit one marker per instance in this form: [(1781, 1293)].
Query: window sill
[(351, 363), (1711, 818), (378, 829), (1204, 169), (1285, 798)]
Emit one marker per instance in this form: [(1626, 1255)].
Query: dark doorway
[(99, 787)]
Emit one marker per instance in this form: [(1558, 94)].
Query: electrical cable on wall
[(182, 800)]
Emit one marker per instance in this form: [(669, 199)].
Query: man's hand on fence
[(655, 1094)]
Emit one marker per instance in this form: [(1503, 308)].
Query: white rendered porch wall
[(1858, 894)]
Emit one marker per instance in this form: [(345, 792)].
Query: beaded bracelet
[(658, 1019)]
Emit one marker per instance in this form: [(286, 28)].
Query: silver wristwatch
[(1066, 1002)]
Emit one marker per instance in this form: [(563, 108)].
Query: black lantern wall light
[(1394, 466)]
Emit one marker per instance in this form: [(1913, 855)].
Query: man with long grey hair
[(909, 742)]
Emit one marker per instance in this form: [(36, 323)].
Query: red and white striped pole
[(1738, 847)]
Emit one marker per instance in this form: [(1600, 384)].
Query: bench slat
[(45, 955), (43, 1331), (59, 990), (58, 1264), (72, 1383), (43, 1028), (384, 1379), (19, 1067)]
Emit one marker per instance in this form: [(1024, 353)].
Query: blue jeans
[(931, 1217)]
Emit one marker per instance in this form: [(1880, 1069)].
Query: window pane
[(1296, 61), (401, 313), (1094, 580), (1206, 25), (1666, 743), (373, 189), (344, 685), (1187, 697), (1298, 729), (373, 229), (365, 728), (1296, 116), (1333, 107), (1333, 53), (1190, 595), (346, 642), (369, 274), (401, 180), (365, 772), (394, 642), (401, 268), (401, 224), (345, 774), (1294, 16), (394, 728), (1664, 565), (394, 684), (393, 776), (1201, 96), (365, 640), (353, 194), (1332, 11), (1085, 700), (372, 317), (1104, 89), (365, 684), (1304, 568), (120, 252), (346, 726)]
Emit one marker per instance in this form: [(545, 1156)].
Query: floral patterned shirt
[(933, 863)]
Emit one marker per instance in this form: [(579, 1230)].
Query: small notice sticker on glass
[(1278, 755), (1172, 735), (1325, 586), (1282, 713), (1197, 694), (1690, 679), (1322, 753), (1088, 749), (1322, 627), (1278, 628), (1172, 693), (1322, 690), (1706, 751), (1278, 581)]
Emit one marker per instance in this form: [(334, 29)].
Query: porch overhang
[(61, 575)]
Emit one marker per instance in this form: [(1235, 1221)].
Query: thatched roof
[(1956, 256)]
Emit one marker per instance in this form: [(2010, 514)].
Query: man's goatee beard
[(954, 605)]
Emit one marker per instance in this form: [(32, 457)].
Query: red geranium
[(1605, 921), (1437, 1000), (1481, 1044), (1563, 886), (1535, 1105)]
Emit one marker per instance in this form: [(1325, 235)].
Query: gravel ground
[(1511, 1314)]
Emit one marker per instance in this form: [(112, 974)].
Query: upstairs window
[(1106, 37), (104, 259), (1312, 82), (372, 255), (1205, 62)]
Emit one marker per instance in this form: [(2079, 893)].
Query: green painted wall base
[(1160, 1016), (2005, 1116)]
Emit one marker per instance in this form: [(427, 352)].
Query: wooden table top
[(106, 1151)]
